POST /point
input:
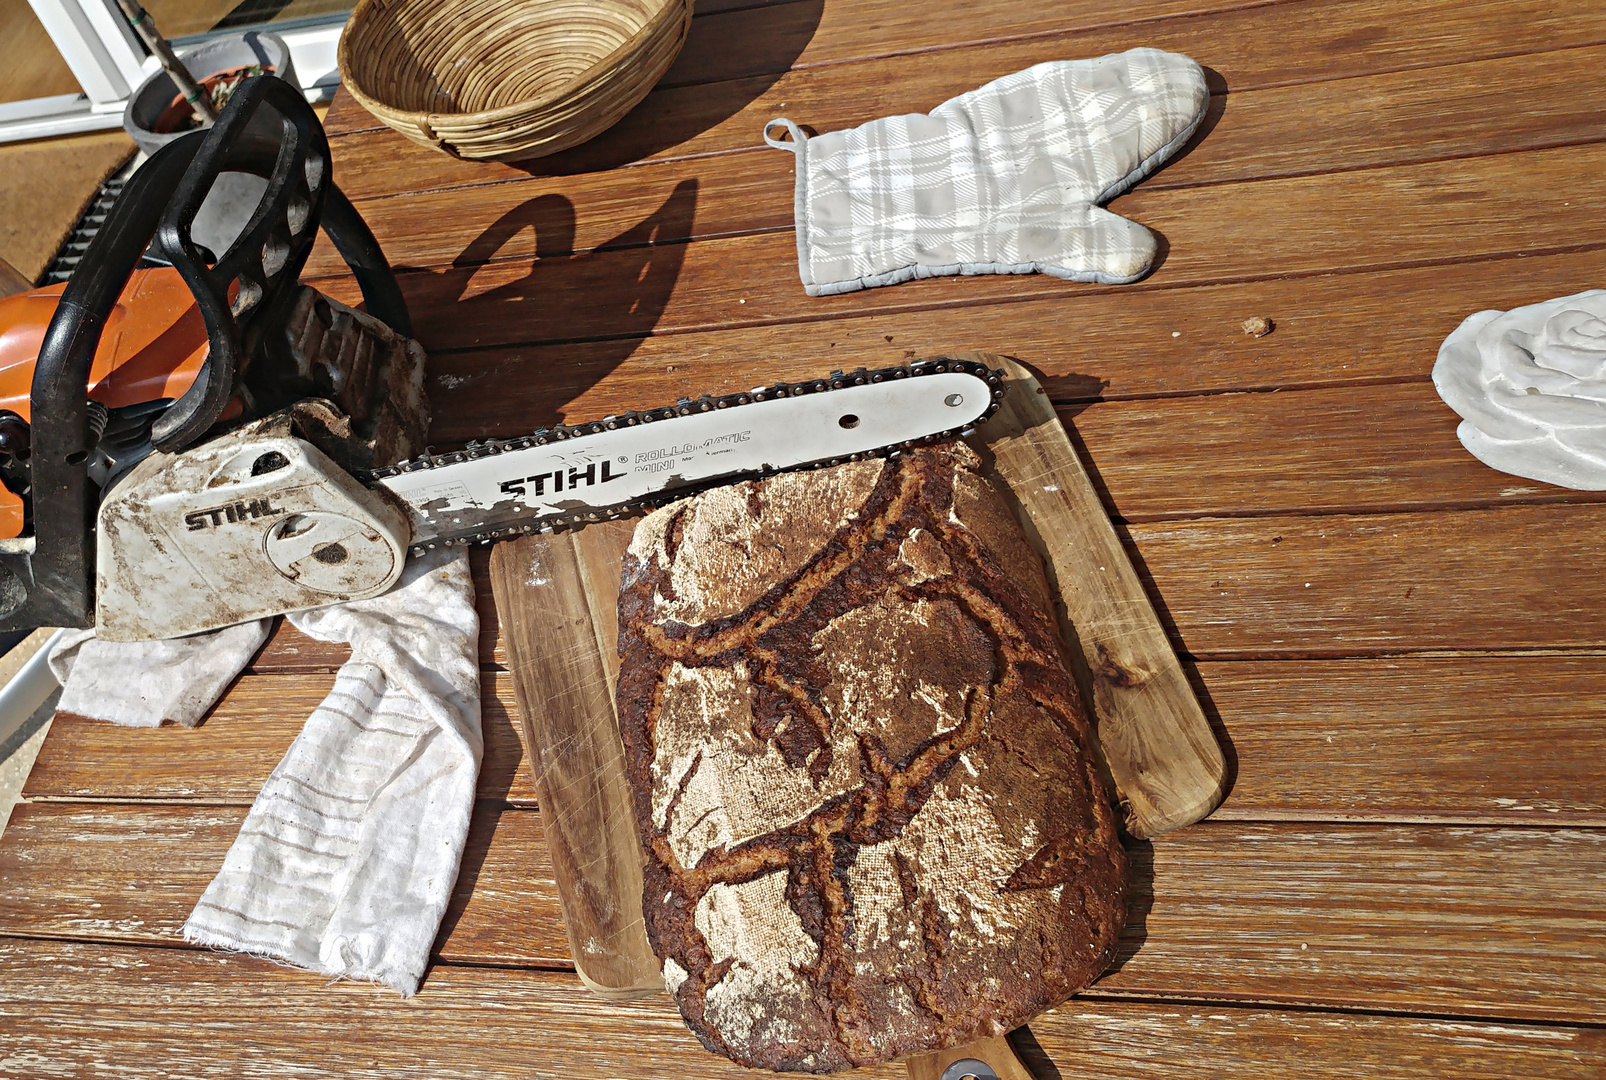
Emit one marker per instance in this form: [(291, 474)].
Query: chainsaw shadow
[(561, 319)]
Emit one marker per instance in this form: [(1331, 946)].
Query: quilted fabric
[(1005, 179)]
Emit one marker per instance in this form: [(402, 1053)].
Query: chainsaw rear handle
[(48, 579)]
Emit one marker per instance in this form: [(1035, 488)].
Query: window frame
[(109, 62)]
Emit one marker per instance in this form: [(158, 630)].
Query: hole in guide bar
[(849, 421)]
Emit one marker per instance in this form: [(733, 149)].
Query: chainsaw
[(203, 440)]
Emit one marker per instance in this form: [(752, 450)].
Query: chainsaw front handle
[(48, 579)]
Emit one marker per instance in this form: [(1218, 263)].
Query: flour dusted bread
[(866, 787)]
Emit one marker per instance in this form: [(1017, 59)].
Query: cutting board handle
[(985, 1059)]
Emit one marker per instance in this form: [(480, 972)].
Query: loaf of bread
[(872, 809)]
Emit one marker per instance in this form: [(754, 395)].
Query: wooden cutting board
[(555, 597)]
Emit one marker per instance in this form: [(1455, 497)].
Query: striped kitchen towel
[(346, 862), (1009, 178)]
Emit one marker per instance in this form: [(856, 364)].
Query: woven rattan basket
[(507, 80)]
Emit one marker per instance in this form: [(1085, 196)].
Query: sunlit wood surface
[(1404, 651)]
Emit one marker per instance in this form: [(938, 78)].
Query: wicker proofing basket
[(507, 80)]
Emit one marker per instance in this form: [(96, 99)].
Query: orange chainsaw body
[(153, 347)]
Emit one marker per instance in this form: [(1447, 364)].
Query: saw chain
[(579, 435)]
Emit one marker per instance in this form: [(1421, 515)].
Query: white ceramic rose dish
[(1530, 387)]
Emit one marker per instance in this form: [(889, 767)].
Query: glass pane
[(30, 66), (188, 18)]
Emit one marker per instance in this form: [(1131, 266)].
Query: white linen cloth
[(1530, 386), (346, 861), (141, 684), (1005, 179)]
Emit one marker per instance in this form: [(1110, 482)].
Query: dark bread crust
[(866, 785)]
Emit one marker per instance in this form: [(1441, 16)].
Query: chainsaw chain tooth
[(683, 407)]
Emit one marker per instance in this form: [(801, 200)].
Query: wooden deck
[(1405, 652)]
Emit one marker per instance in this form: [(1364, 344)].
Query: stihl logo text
[(559, 480), (240, 511)]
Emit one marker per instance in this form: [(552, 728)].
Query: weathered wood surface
[(1477, 207), (1344, 449), (226, 760), (1517, 577), (1329, 584), (1317, 41), (556, 595), (1385, 740), (1338, 330), (1398, 117), (132, 873), (488, 1024), (1371, 173), (1463, 921)]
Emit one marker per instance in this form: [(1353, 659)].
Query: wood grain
[(1495, 922), (1337, 585), (556, 595), (1492, 739), (995, 1053), (132, 873), (1480, 108), (226, 760), (1317, 40), (735, 39), (1462, 921), (1352, 585), (1363, 448), (1336, 330), (1168, 769), (487, 1024), (1458, 210)]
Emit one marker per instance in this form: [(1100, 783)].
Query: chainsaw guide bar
[(612, 467)]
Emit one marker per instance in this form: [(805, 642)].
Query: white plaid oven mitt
[(1006, 179)]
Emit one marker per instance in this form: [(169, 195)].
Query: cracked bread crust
[(865, 783)]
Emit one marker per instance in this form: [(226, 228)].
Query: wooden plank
[(1390, 447), (1342, 329), (1310, 586), (1168, 768), (771, 40), (1350, 448), (226, 760), (1337, 585), (133, 872), (1497, 922), (1370, 219), (1493, 739), (1469, 921), (557, 596), (485, 1024), (1316, 41), (1486, 107)]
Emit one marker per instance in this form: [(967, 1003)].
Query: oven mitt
[(1530, 386), (144, 683), (347, 860), (1007, 179)]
